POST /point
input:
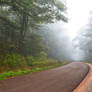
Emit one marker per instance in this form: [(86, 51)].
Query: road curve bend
[(62, 79), (86, 84)]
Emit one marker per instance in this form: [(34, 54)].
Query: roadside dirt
[(62, 79)]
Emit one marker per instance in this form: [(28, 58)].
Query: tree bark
[(24, 28)]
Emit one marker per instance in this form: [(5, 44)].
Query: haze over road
[(62, 79)]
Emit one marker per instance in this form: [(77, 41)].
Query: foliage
[(13, 61), (17, 61), (20, 44), (33, 44), (18, 18), (22, 72)]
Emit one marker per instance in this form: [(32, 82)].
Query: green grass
[(10, 74)]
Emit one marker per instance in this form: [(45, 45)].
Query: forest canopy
[(20, 18)]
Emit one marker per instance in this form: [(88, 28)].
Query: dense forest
[(22, 22)]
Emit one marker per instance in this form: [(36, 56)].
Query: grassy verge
[(10, 74)]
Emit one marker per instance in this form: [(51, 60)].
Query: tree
[(85, 40), (27, 15)]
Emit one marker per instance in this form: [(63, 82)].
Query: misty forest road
[(62, 79)]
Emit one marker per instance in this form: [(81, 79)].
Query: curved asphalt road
[(62, 79)]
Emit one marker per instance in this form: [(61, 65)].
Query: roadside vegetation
[(33, 69), (22, 45)]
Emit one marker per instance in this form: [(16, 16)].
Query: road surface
[(86, 84), (62, 79)]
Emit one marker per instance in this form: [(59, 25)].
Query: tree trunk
[(24, 28)]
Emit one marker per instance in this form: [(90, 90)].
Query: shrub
[(30, 60), (13, 61)]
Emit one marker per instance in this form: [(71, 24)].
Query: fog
[(74, 38)]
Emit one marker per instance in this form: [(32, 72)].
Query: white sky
[(78, 12)]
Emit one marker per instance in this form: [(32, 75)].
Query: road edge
[(84, 85)]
